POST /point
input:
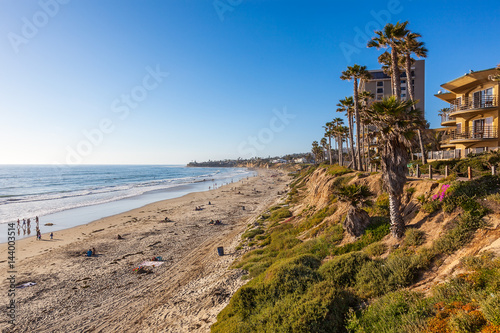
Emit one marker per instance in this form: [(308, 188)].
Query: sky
[(169, 82)]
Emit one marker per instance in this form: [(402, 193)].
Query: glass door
[(478, 128)]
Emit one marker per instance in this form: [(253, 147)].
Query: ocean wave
[(21, 206)]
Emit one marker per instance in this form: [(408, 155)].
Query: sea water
[(73, 195)]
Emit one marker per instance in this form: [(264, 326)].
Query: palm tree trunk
[(397, 222), (330, 148), (409, 87), (358, 123), (396, 91), (341, 160), (368, 153), (351, 138), (365, 165)]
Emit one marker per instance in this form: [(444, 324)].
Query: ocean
[(95, 191)]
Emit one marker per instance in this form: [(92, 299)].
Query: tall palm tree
[(396, 122), (356, 72), (410, 45), (329, 133), (324, 145), (337, 124), (364, 98), (317, 152), (389, 38), (346, 105)]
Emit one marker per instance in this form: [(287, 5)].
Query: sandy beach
[(75, 293)]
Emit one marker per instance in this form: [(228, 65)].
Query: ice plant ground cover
[(441, 193)]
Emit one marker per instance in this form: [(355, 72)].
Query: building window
[(379, 97), (403, 81), (380, 90), (380, 83), (412, 82), (403, 88), (403, 95)]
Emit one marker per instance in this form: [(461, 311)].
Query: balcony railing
[(443, 154), (446, 117), (487, 132), (485, 101)]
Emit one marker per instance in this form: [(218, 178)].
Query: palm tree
[(356, 219), (356, 72), (346, 105), (497, 76), (408, 45), (364, 98), (389, 38), (337, 124), (396, 122), (324, 144), (317, 152), (329, 133)]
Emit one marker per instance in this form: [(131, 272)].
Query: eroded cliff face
[(316, 193)]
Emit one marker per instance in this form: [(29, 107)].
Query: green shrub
[(397, 312), (491, 309), (414, 237), (337, 170), (378, 277), (421, 199), (378, 228), (431, 206), (466, 322), (410, 190), (252, 233), (321, 309), (375, 249), (382, 204), (342, 270), (494, 197), (280, 214), (317, 218)]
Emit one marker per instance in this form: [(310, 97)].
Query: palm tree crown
[(389, 37)]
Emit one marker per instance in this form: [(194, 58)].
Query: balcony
[(488, 132), (446, 120), (482, 102)]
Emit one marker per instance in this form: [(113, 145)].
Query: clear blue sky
[(167, 82)]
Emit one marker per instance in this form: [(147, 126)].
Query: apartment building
[(471, 123), (380, 84)]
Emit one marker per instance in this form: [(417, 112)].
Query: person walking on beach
[(18, 225), (51, 235)]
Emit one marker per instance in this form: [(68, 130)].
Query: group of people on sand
[(198, 208), (216, 222), (26, 227)]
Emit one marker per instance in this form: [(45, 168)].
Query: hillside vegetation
[(307, 274)]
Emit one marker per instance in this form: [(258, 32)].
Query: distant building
[(380, 84), (279, 160), (300, 160), (471, 123)]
